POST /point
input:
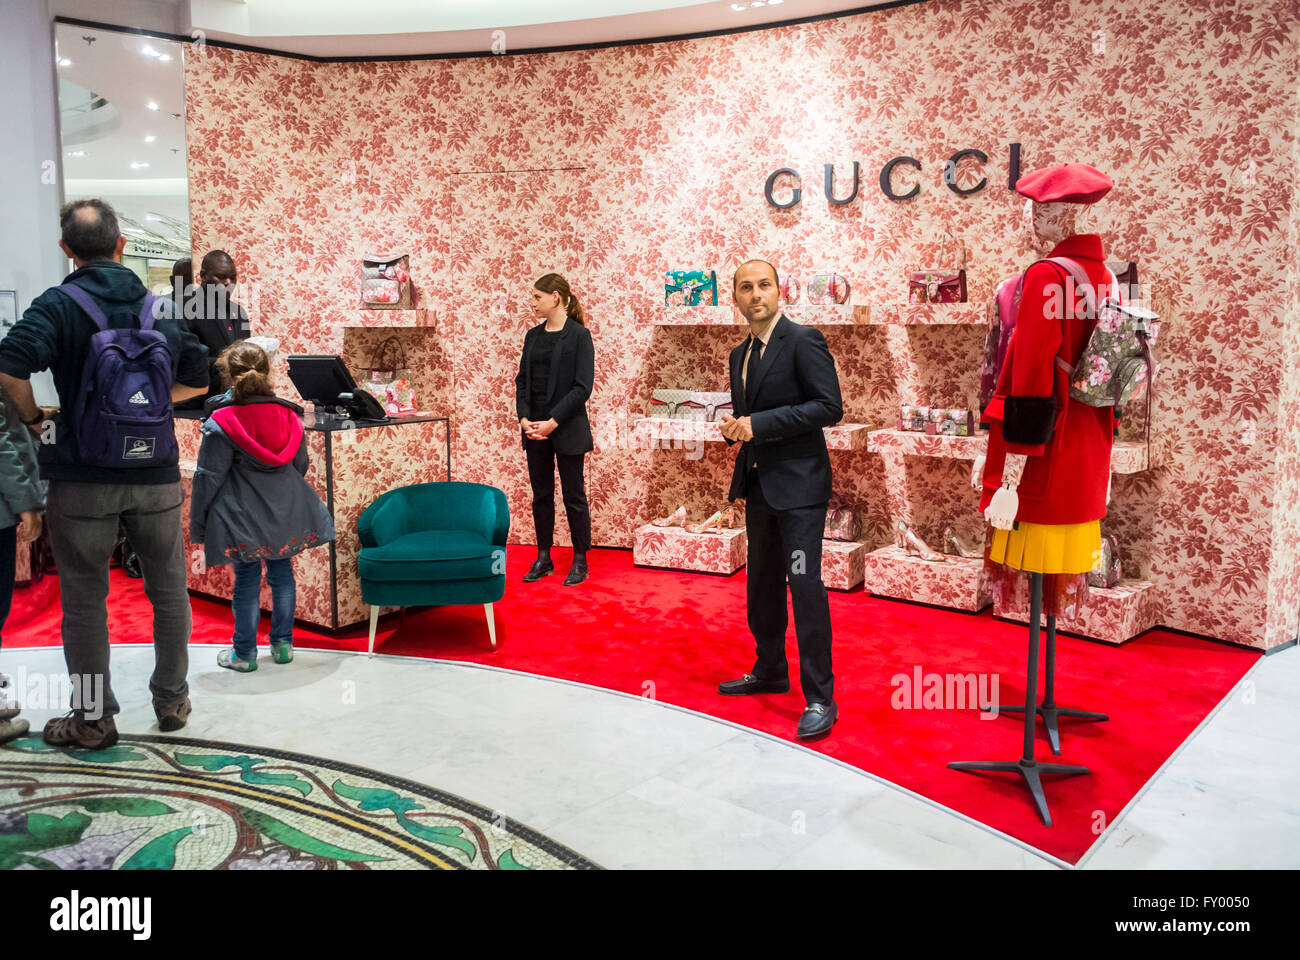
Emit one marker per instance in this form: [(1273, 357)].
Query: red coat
[(1068, 442)]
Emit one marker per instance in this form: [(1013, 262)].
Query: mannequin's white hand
[(977, 474)]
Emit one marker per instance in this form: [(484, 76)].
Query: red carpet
[(674, 636)]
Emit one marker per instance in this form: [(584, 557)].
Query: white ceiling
[(101, 144), (338, 28)]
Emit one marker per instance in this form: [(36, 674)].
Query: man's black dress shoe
[(539, 569), (577, 573), (752, 684), (817, 720)]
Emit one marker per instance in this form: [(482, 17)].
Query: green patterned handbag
[(691, 288)]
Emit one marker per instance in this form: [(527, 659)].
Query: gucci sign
[(886, 179)]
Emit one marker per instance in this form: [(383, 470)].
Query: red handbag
[(939, 284)]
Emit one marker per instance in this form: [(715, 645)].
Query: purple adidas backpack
[(123, 415)]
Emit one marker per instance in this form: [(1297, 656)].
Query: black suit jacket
[(573, 372), (798, 393)]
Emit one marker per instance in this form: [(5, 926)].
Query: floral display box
[(675, 549), (956, 582), (842, 436), (1111, 616), (916, 444), (843, 564)]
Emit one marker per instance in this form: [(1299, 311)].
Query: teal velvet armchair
[(432, 544)]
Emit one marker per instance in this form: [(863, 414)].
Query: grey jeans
[(83, 522)]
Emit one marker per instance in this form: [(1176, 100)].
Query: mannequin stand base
[(1031, 771), (1050, 715)]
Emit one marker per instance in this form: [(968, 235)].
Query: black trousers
[(785, 546), (542, 462)]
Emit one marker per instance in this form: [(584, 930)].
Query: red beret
[(1065, 183)]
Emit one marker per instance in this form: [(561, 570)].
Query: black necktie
[(751, 376)]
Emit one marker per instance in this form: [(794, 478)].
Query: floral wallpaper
[(611, 166)]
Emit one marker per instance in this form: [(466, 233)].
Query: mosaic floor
[(155, 803)]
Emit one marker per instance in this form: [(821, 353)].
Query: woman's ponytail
[(554, 283)]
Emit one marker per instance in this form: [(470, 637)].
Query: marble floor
[(633, 783)]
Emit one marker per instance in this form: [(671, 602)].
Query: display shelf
[(1110, 615), (728, 316), (843, 563), (674, 548), (914, 444), (926, 314), (1127, 456), (956, 582), (411, 317), (842, 436), (722, 315)]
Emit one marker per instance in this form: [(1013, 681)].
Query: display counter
[(350, 465)]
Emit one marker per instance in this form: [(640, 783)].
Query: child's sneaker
[(282, 652), (227, 659)]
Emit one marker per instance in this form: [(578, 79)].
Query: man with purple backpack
[(120, 359)]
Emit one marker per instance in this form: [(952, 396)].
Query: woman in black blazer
[(555, 377)]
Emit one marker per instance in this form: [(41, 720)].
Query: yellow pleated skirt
[(1048, 547)]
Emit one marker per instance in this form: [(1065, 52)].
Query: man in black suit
[(785, 390)]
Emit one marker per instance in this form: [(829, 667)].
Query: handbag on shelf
[(386, 281), (828, 288), (841, 523), (950, 422), (388, 378), (670, 403), (942, 284), (691, 288), (1108, 572), (714, 405), (789, 290)]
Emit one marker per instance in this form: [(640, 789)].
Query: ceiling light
[(773, 3), (64, 62), (137, 165), (150, 139), (737, 7), (152, 105), (149, 51), (165, 57), (76, 153), (756, 3)]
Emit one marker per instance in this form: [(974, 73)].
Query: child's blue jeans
[(247, 610)]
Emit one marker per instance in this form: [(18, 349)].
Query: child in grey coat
[(251, 503)]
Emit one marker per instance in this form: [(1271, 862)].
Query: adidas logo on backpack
[(138, 397)]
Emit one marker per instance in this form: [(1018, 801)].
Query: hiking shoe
[(11, 729), (172, 716), (74, 731), (9, 707), (227, 659), (282, 652)]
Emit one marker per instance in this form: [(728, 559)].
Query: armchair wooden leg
[(492, 625), (374, 622)]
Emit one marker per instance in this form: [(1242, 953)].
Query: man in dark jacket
[(86, 503), (212, 316), (784, 390)]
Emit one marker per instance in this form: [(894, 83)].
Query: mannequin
[(1046, 477)]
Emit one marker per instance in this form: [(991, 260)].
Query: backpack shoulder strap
[(87, 303), (147, 312), (1081, 281)]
